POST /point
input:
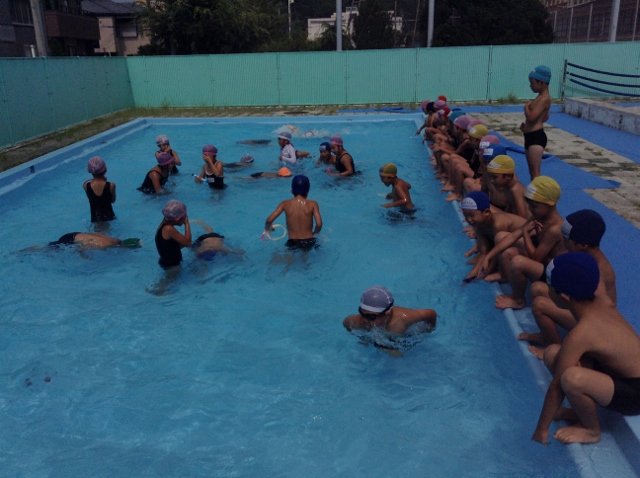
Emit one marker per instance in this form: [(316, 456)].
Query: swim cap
[(209, 149), (473, 122), (543, 189), (246, 159), (462, 122), (96, 165), (325, 147), (443, 98), (300, 185), (174, 210), (376, 299), (501, 164), (164, 159), (584, 227), (475, 201), (162, 139), (389, 170), (575, 274), (423, 105), (455, 114), (440, 104), (488, 139), (478, 131), (541, 73), (285, 135), (284, 172), (337, 140), (492, 151)]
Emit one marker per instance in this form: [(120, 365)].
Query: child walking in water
[(100, 192), (300, 213)]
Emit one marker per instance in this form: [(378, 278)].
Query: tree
[(372, 26), (489, 22), (210, 26)]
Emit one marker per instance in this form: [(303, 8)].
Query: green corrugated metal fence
[(38, 96), (41, 95)]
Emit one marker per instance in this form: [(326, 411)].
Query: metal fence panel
[(204, 80), (312, 78), (381, 76), (459, 73), (38, 96), (511, 65), (42, 95)]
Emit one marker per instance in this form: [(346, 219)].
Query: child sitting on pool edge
[(300, 213)]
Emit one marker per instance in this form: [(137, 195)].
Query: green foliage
[(211, 26), (372, 26), (489, 22)]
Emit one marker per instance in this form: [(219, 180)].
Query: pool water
[(242, 367)]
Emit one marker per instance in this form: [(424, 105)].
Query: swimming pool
[(242, 368)]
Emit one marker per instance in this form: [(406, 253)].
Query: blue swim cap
[(300, 185), (541, 73), (376, 300), (492, 151), (325, 146), (584, 227), (475, 201), (575, 274)]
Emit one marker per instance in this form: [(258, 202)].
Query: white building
[(315, 26)]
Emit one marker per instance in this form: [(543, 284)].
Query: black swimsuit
[(341, 167), (147, 185), (303, 244), (537, 137), (169, 250), (101, 208)]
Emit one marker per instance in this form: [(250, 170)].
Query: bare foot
[(537, 352), (576, 434), (453, 197), (493, 277), (537, 338), (508, 302), (566, 414)]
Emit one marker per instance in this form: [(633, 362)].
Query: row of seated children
[(591, 351)]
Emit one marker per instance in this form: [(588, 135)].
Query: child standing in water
[(399, 194), (300, 213), (170, 241), (100, 192)]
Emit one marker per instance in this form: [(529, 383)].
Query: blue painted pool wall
[(39, 96)]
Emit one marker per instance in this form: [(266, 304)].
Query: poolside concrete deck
[(586, 155)]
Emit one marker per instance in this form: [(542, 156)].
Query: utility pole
[(38, 27), (338, 25), (613, 23), (432, 13)]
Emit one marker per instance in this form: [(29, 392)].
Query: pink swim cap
[(209, 148), (337, 140), (174, 210), (164, 159), (462, 122), (96, 165), (440, 104), (423, 105), (162, 139), (473, 122)]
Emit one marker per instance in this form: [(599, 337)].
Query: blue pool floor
[(621, 238)]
